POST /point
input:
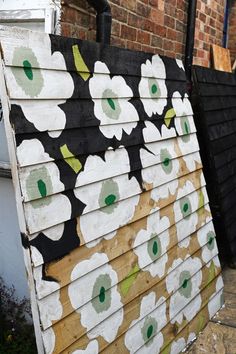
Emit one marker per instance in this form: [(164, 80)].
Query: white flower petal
[(111, 103), (153, 73), (145, 241), (149, 309), (83, 299)]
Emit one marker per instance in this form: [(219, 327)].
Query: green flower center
[(154, 89), (42, 188), (166, 161), (185, 207), (102, 294), (186, 129), (111, 103), (28, 69), (210, 241), (110, 199), (149, 331), (155, 248), (185, 283)]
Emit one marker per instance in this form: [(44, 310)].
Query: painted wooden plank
[(120, 342), (208, 89), (38, 216), (118, 88), (212, 104), (12, 38), (80, 113), (199, 320), (19, 15), (98, 175), (196, 326), (197, 219), (186, 146), (120, 265), (36, 211), (206, 75), (83, 185), (53, 243), (126, 237)]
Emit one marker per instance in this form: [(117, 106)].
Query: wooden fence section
[(112, 202), (215, 112)]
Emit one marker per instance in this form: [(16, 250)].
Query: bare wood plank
[(221, 58)]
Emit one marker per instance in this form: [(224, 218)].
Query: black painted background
[(214, 104)]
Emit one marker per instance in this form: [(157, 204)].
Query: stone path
[(219, 336)]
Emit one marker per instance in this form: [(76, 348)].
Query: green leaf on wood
[(80, 65), (212, 273), (73, 162), (129, 280), (169, 115)]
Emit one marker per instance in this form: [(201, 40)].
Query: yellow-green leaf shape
[(80, 65), (169, 115), (73, 162)]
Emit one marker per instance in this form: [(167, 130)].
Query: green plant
[(16, 332)]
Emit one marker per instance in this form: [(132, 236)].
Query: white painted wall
[(12, 268)]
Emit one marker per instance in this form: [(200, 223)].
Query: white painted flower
[(106, 204), (32, 82), (49, 340), (36, 256), (48, 292), (184, 208), (183, 110), (216, 300), (144, 332), (92, 348), (180, 64), (183, 282), (44, 209), (207, 240), (114, 163), (95, 297), (111, 102), (152, 87), (162, 157), (180, 344), (184, 126), (150, 245)]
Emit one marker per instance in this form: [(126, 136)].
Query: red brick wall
[(232, 32), (150, 25), (209, 29)]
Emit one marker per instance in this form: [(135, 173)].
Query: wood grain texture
[(221, 58), (117, 218)]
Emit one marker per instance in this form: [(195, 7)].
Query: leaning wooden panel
[(215, 120), (112, 203)]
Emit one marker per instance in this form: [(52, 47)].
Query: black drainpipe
[(226, 23), (190, 40), (103, 20)]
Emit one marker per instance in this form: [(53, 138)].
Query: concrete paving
[(219, 336)]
